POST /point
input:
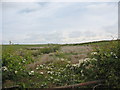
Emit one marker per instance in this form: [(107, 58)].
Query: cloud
[(54, 22), (75, 34), (60, 1), (0, 23), (52, 37)]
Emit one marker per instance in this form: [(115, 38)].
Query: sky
[(58, 22)]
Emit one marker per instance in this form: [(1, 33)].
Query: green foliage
[(49, 49), (104, 64), (13, 65), (46, 50)]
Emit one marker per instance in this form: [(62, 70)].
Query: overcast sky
[(59, 22)]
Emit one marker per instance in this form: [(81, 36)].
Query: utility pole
[(10, 42)]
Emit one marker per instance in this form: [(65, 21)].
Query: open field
[(53, 65)]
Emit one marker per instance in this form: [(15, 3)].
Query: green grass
[(91, 43), (59, 71)]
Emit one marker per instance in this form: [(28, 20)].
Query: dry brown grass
[(82, 52), (77, 53), (76, 49)]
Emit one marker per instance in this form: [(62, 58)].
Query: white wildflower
[(4, 68), (62, 59), (41, 73), (58, 73), (81, 71), (81, 60), (47, 67), (64, 69), (94, 59), (24, 59), (74, 65), (42, 85), (37, 65), (48, 79), (116, 57), (68, 65), (82, 74), (94, 53), (50, 72), (41, 66), (16, 72), (111, 53), (51, 77), (56, 80), (37, 68), (86, 59), (31, 73), (69, 61)]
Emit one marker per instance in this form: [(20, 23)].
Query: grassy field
[(53, 65)]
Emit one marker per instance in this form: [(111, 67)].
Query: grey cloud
[(43, 22), (111, 29), (89, 34), (54, 37), (27, 10), (75, 34), (43, 3), (39, 6)]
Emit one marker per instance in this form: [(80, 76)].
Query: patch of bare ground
[(77, 53), (45, 58), (82, 52), (76, 49), (76, 58)]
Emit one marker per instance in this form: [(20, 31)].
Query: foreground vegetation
[(30, 67)]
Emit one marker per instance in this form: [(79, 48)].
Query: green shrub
[(48, 50), (104, 64), (13, 65)]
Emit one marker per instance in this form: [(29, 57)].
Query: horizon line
[(59, 43)]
